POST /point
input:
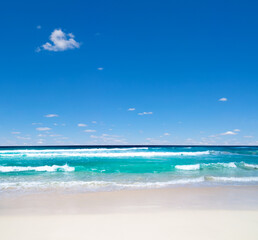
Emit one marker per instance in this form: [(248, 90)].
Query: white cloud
[(15, 132), (94, 122), (51, 115), (228, 133), (81, 125), (89, 130), (131, 109), (43, 128), (166, 134), (145, 113), (38, 27), (100, 68), (60, 41), (223, 99), (237, 130)]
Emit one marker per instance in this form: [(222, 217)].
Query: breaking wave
[(46, 168), (188, 167), (250, 166), (205, 165)]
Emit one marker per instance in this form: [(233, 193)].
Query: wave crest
[(188, 167), (46, 168), (232, 179)]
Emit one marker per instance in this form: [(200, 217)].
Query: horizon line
[(129, 145)]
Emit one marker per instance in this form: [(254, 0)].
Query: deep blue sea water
[(115, 168)]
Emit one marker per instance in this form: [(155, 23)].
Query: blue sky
[(172, 63)]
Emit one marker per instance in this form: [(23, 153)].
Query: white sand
[(184, 213)]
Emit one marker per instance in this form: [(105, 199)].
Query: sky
[(128, 72)]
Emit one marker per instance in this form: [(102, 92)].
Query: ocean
[(84, 169)]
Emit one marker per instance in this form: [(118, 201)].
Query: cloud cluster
[(60, 41), (131, 109)]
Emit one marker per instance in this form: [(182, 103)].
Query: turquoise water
[(115, 168)]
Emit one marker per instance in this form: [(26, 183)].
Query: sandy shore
[(177, 213)]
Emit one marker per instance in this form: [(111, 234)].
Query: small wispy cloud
[(43, 129), (89, 130), (38, 27), (81, 125), (51, 115), (94, 122), (223, 99), (228, 133), (131, 109), (237, 130), (15, 132), (100, 68), (60, 41), (166, 134), (145, 113), (23, 138), (55, 135)]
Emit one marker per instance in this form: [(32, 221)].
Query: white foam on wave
[(46, 168), (219, 164), (111, 154), (232, 179), (250, 166), (188, 167), (71, 150), (192, 167), (95, 185)]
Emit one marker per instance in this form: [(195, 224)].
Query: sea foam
[(232, 179), (188, 167), (250, 166), (95, 185), (46, 168), (107, 154)]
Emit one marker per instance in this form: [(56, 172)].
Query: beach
[(176, 213), (128, 193)]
